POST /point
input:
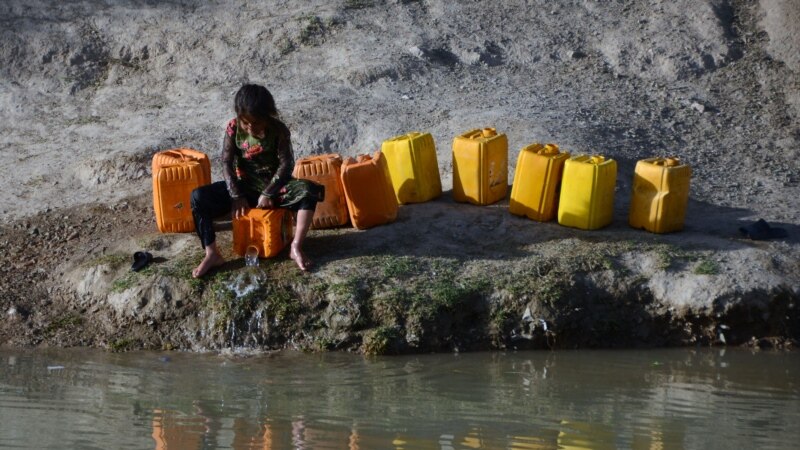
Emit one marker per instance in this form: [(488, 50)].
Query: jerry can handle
[(476, 134), (178, 154)]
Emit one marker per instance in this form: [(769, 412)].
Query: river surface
[(641, 399)]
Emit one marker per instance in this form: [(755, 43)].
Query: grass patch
[(181, 269), (282, 304), (706, 267), (381, 341), (122, 345), (397, 267), (349, 288), (124, 283), (313, 28), (67, 321), (113, 260)]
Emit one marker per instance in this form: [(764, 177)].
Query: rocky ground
[(91, 90)]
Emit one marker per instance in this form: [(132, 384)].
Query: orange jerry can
[(537, 180), (660, 194), (368, 190), (268, 229), (176, 173), (413, 168), (325, 170), (480, 167)]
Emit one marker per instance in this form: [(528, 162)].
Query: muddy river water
[(641, 399)]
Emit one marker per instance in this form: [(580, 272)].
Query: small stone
[(698, 107), (576, 54)]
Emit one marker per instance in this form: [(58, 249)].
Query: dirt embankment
[(92, 90)]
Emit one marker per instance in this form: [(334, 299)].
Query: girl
[(257, 165)]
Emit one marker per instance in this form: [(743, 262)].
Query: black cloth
[(213, 200)]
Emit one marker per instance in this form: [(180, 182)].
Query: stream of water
[(641, 399)]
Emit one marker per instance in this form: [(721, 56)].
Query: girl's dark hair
[(255, 100)]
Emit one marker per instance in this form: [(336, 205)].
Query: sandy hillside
[(90, 90)]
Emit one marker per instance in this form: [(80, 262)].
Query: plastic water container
[(537, 181), (660, 194), (587, 192), (251, 256), (176, 173), (413, 168), (480, 167), (269, 230), (325, 170), (371, 200)]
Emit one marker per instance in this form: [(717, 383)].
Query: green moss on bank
[(386, 304)]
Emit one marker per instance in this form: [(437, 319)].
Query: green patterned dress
[(264, 167)]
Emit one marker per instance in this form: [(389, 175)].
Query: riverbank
[(90, 91), (444, 277)]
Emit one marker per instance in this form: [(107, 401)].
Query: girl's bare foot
[(299, 258), (210, 261)]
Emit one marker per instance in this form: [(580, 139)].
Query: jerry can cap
[(596, 159), (549, 149), (489, 132), (671, 161)]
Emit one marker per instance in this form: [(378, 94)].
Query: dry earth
[(91, 90)]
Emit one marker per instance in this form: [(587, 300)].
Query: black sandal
[(141, 260)]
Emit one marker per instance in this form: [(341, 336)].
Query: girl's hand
[(239, 207), (265, 202)]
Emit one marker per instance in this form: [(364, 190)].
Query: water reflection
[(539, 400)]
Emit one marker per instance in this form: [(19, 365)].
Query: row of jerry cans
[(366, 190), (580, 190), (406, 170), (357, 189), (584, 199)]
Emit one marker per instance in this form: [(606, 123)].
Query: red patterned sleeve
[(228, 156)]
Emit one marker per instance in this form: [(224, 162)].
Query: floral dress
[(263, 166)]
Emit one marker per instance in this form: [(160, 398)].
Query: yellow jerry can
[(587, 192), (480, 167), (413, 168), (660, 194), (537, 180), (176, 173), (268, 229)]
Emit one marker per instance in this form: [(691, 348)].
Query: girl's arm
[(285, 165), (227, 157)]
